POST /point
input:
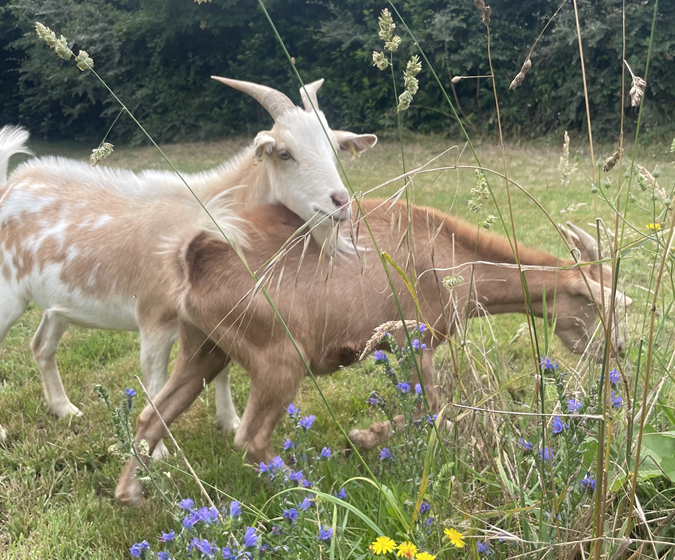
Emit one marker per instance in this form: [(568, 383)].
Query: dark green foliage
[(158, 56)]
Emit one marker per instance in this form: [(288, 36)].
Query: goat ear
[(356, 144), (263, 143)]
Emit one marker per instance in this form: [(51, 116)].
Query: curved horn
[(310, 90), (274, 101), (587, 241)]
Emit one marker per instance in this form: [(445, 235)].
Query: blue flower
[(288, 444), (546, 363), (325, 453), (432, 419), (403, 386), (416, 345), (381, 356), (418, 389), (291, 514), (423, 327), (430, 521), (306, 483), (250, 538), (589, 483), (483, 548), (546, 454), (263, 467), (342, 494), (203, 546), (130, 392), (617, 402), (307, 422), (574, 405), (228, 553), (614, 376), (385, 454), (424, 507), (163, 556), (325, 534), (293, 410), (526, 445), (558, 425), (277, 463), (235, 509), (296, 476), (187, 503), (189, 521), (138, 548), (305, 504), (166, 537)]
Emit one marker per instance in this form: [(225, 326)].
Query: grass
[(57, 478)]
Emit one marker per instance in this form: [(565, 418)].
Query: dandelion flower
[(383, 545), (407, 550), (425, 556), (654, 227), (455, 537)]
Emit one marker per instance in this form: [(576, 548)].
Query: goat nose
[(340, 199)]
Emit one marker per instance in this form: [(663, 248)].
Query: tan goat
[(85, 243), (332, 307)]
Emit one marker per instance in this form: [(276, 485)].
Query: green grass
[(57, 478)]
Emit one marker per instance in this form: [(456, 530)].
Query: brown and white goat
[(84, 243), (331, 308)]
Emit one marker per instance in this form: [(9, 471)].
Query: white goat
[(84, 243)]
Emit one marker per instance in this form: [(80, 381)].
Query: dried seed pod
[(637, 87), (480, 4), (520, 76), (458, 78), (487, 12), (610, 162)]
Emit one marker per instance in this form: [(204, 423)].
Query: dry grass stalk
[(381, 331), (564, 166), (637, 89), (610, 162), (485, 10), (520, 76)]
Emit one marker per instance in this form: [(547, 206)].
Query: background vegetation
[(158, 55)]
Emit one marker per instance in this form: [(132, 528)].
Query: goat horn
[(309, 92), (587, 240), (274, 101)]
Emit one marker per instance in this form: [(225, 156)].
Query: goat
[(331, 307), (84, 243)]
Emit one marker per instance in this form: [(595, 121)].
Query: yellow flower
[(407, 550), (383, 545), (455, 537), (425, 556), (654, 227)]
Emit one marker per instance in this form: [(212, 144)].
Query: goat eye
[(284, 154)]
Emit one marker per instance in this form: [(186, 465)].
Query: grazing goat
[(331, 307), (84, 243)]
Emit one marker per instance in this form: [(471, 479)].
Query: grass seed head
[(84, 61), (100, 153), (637, 87), (380, 60), (387, 25), (392, 45), (564, 166)]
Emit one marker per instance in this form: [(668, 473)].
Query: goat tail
[(13, 140)]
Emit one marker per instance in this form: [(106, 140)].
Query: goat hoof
[(228, 424), (65, 410), (129, 494), (160, 451)]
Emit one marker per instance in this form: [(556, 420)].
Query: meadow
[(57, 477)]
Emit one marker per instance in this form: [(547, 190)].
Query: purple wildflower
[(385, 454), (187, 503), (306, 503), (228, 553), (307, 422), (403, 386), (526, 445), (291, 514), (288, 444), (423, 327), (617, 401), (381, 356), (296, 476), (417, 346), (614, 376), (424, 507), (306, 483), (558, 425), (130, 392), (163, 556), (203, 546), (418, 389), (325, 453), (483, 548), (546, 363), (430, 521), (235, 509), (325, 533), (293, 410), (250, 538), (574, 405), (432, 419), (138, 548), (189, 521), (546, 454), (166, 537), (342, 494), (277, 463), (589, 483)]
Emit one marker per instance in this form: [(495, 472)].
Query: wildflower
[(424, 507), (138, 548), (375, 399), (296, 476), (325, 534), (228, 553), (455, 537), (425, 556), (380, 356), (417, 346), (403, 386), (483, 548), (432, 419), (203, 546), (325, 453), (292, 409), (307, 422), (574, 405), (190, 521), (163, 556), (423, 327), (250, 538), (288, 444), (383, 545), (406, 550), (418, 389), (305, 504), (166, 537), (614, 376), (558, 425), (187, 503), (342, 494), (235, 509), (617, 401), (209, 514), (589, 483), (430, 521), (546, 454), (130, 392), (291, 514), (385, 454), (277, 463), (526, 445), (654, 227), (306, 483), (546, 363)]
